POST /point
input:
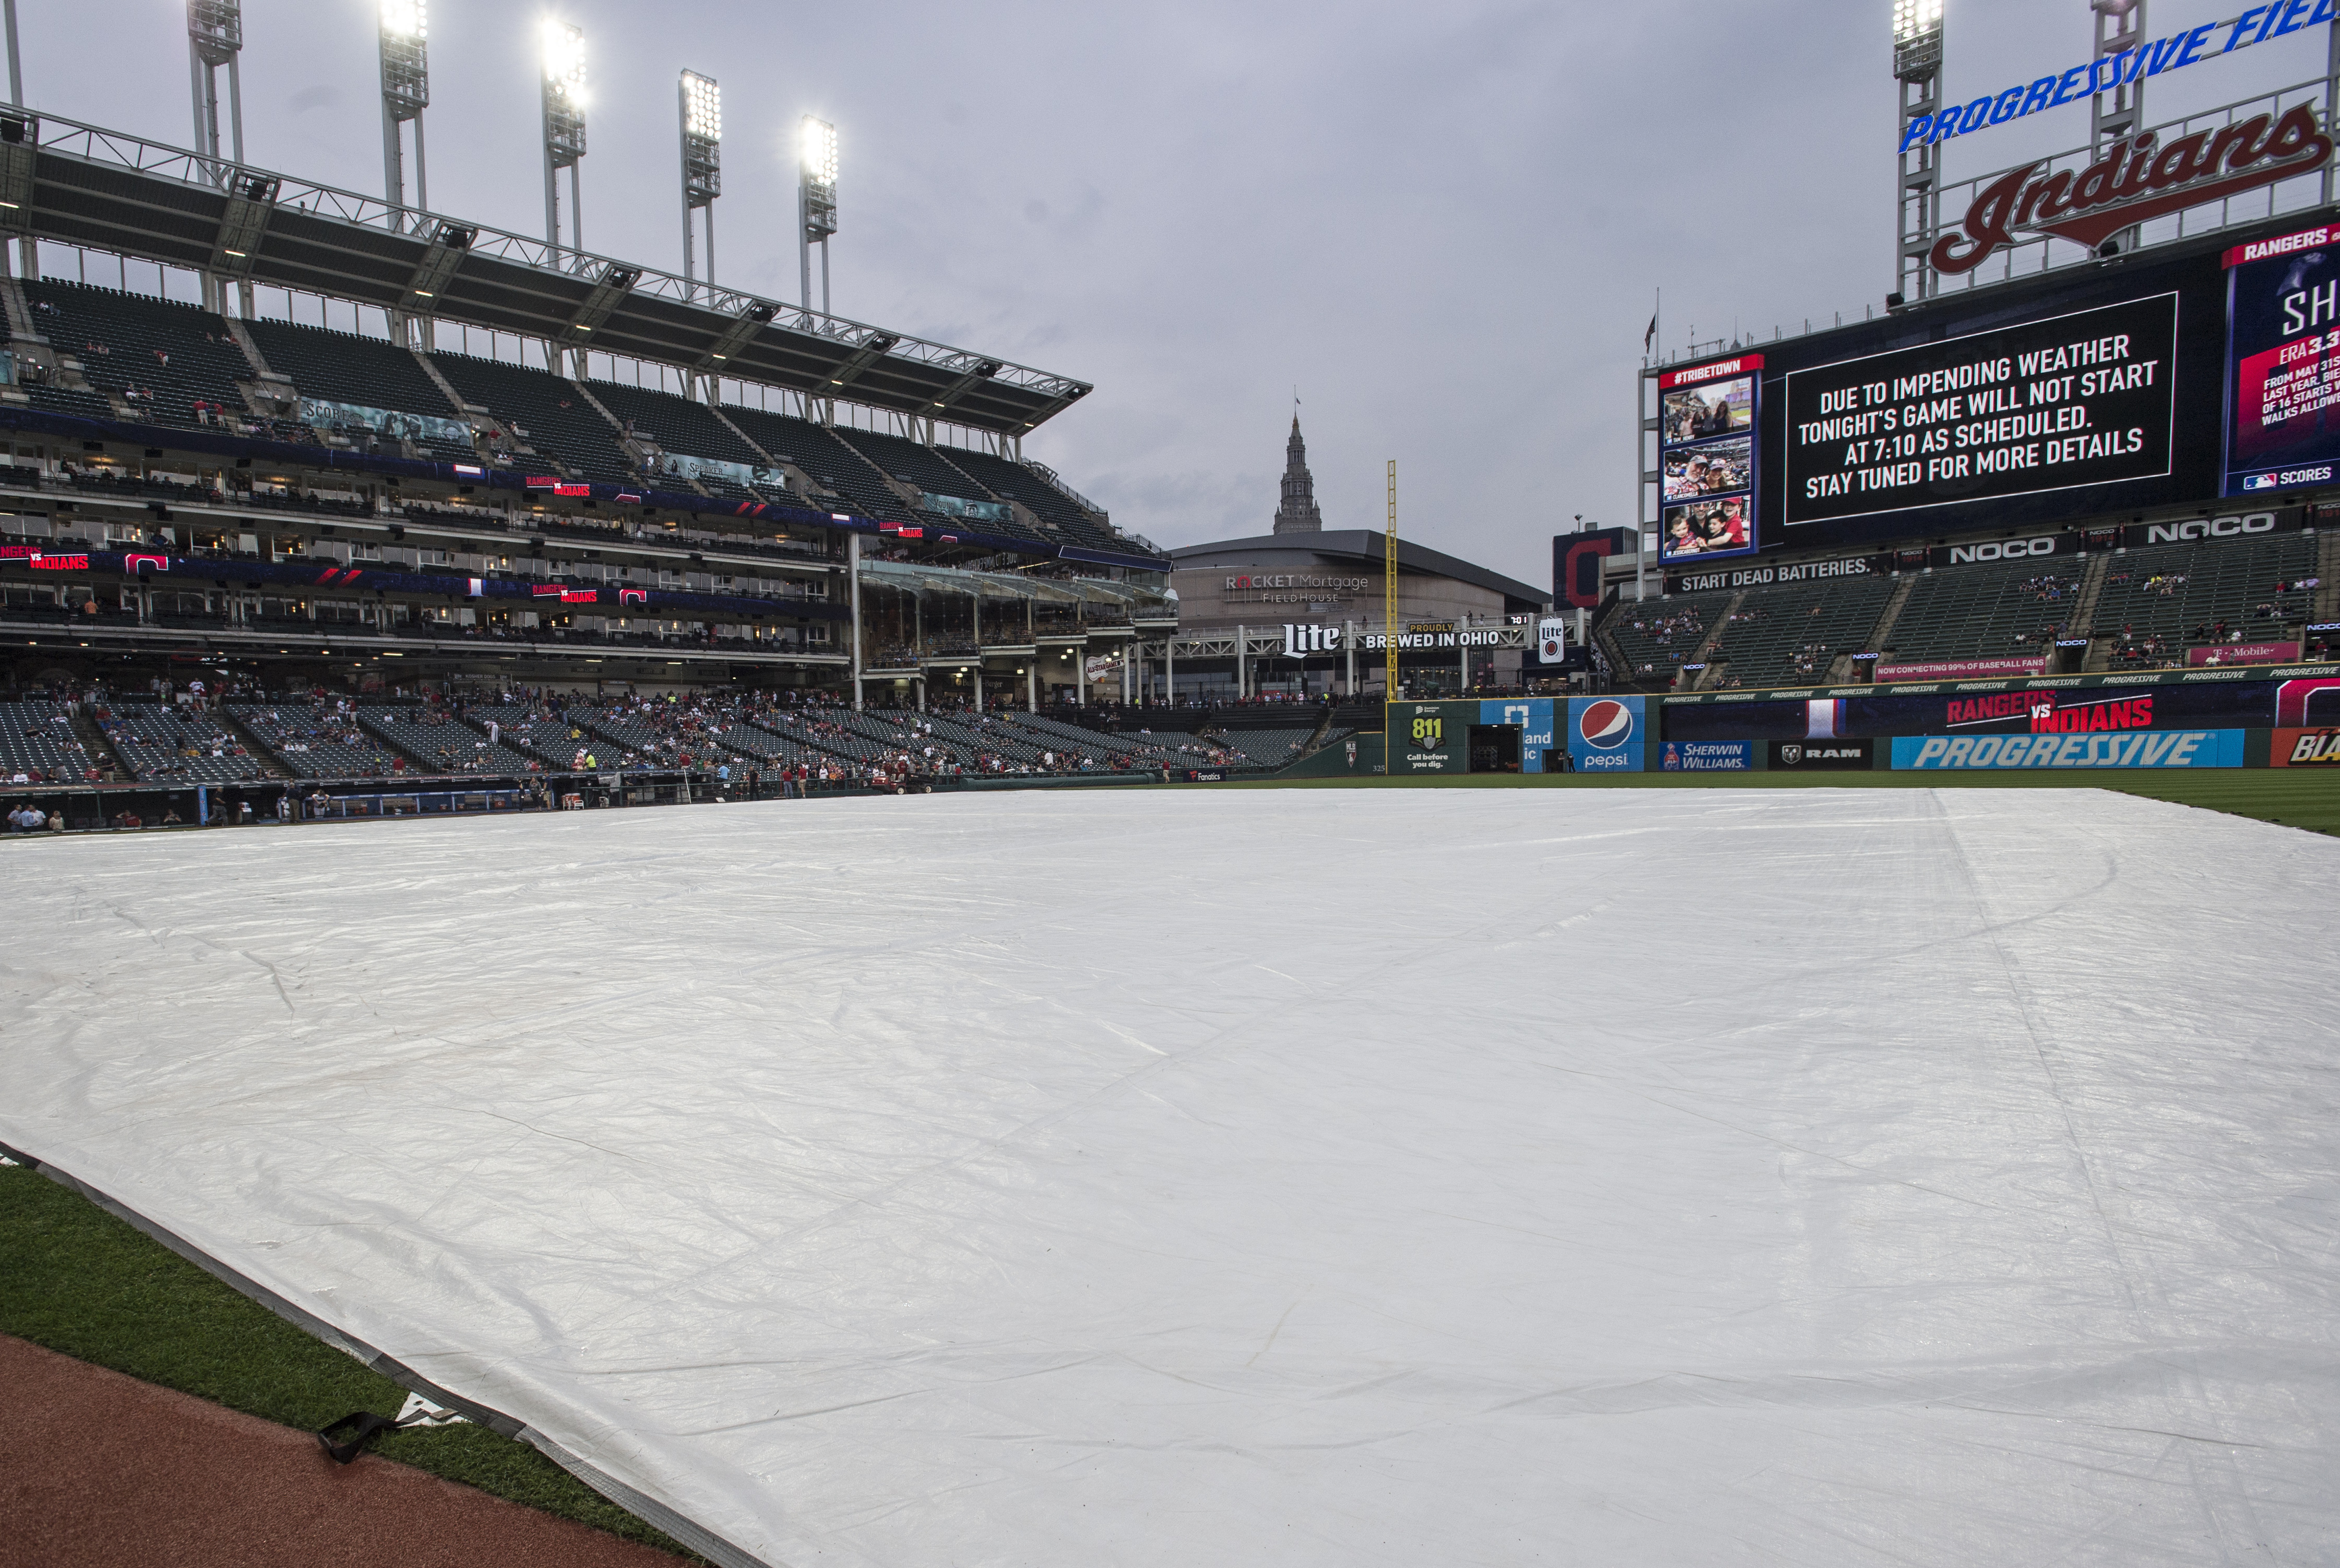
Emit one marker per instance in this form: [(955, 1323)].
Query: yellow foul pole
[(1389, 595)]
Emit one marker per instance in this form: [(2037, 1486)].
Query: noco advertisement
[(2172, 377)]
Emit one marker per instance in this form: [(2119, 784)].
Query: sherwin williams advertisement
[(2149, 749)]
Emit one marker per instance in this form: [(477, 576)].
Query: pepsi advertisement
[(2282, 362), (1605, 733)]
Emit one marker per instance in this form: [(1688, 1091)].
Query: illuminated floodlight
[(1915, 18), (703, 107), (820, 153), (564, 61), (405, 19)]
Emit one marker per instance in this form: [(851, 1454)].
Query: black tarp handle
[(361, 1426)]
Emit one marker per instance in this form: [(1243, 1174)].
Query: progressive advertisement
[(2282, 362), (1707, 422), (2066, 401), (2158, 749)]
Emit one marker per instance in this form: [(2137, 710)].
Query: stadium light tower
[(215, 38), (564, 130), (702, 105), (2119, 113), (816, 205), (1917, 67), (405, 94)]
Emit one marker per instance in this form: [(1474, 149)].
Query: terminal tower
[(1298, 513)]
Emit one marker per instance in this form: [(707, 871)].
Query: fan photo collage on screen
[(1706, 461)]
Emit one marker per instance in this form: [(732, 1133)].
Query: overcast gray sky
[(1443, 223)]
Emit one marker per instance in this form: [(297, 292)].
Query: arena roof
[(1364, 546), (79, 184)]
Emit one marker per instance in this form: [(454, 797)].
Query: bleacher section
[(550, 414), (829, 461), (37, 739), (1014, 481), (2173, 597), (344, 367), (314, 741), (440, 743), (1269, 748), (930, 470), (176, 743), (683, 428), (554, 740), (651, 738), (164, 357), (1658, 635), (1782, 636), (2005, 611)]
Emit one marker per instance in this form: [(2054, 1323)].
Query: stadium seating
[(1268, 748), (828, 461), (136, 344), (440, 742), (2160, 601), (1014, 481), (37, 738), (313, 740), (2005, 610), (1659, 633), (1786, 636), (683, 428), (345, 367), (176, 743), (548, 411)]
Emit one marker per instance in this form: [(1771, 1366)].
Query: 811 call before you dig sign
[(2068, 401)]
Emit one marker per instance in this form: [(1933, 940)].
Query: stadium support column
[(853, 575), (1170, 668), (1349, 646), (1032, 683), (1243, 673)]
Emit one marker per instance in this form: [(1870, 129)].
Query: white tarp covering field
[(1377, 1177)]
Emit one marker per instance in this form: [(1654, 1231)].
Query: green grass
[(77, 1280), (2295, 798)]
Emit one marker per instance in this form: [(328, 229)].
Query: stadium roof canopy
[(80, 184), (1360, 547)]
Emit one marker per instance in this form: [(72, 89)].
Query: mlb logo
[(2259, 482)]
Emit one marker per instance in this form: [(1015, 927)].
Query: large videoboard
[(2082, 400), (2095, 395)]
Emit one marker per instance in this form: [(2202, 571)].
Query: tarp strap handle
[(361, 1425)]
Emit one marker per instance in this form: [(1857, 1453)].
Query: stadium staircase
[(101, 744), (2084, 609), (1704, 652), (1882, 632), (447, 388), (2328, 598)]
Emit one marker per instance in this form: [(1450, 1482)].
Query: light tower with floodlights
[(816, 205), (1917, 67), (405, 94), (564, 131), (700, 101)]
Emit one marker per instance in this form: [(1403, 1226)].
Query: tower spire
[(1297, 513)]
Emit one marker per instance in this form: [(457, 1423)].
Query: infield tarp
[(1397, 1177)]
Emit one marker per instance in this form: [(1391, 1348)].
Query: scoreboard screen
[(2144, 381), (2062, 403)]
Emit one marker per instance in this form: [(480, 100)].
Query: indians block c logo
[(1428, 731)]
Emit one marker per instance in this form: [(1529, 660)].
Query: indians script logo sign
[(1428, 731), (2134, 180)]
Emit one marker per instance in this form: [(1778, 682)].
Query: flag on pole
[(1651, 337)]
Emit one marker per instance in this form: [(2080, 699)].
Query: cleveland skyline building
[(1297, 513)]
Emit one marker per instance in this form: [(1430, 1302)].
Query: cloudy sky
[(1445, 224)]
